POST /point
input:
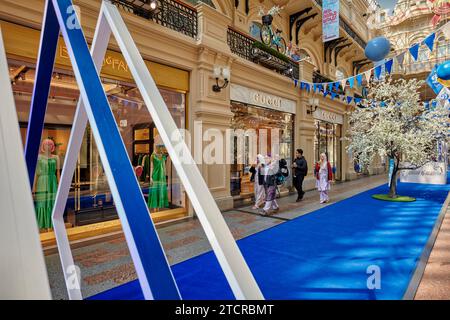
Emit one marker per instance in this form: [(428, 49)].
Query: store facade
[(257, 98), (267, 122), (90, 209), (328, 134)]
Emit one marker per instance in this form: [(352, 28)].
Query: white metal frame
[(238, 274), (23, 273)]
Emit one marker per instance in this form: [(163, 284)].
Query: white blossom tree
[(393, 123)]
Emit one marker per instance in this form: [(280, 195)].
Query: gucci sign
[(327, 116), (261, 99)]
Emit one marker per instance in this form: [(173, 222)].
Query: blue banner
[(432, 81), (330, 20)]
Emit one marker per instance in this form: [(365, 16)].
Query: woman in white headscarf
[(258, 177), (324, 176), (270, 186)]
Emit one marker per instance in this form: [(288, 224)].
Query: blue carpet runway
[(324, 254)]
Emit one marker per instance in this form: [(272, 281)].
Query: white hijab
[(260, 159), (324, 162)]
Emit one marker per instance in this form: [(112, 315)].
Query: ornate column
[(210, 111), (304, 124)]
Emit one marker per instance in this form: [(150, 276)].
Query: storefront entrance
[(249, 117), (328, 140)]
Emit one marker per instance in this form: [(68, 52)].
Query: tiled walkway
[(108, 264), (435, 283)]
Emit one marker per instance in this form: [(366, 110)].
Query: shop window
[(253, 120), (328, 140), (90, 199)]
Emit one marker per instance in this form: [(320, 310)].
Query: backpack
[(280, 179), (283, 172)]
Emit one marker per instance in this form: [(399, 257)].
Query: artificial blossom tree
[(394, 123)]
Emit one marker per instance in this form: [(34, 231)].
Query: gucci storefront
[(259, 120), (327, 139)]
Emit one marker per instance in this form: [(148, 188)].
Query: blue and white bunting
[(359, 79), (414, 51), (378, 72), (388, 65), (429, 41), (351, 82)]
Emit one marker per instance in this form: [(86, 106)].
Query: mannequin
[(158, 198), (46, 184)]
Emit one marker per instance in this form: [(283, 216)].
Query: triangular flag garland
[(359, 80), (414, 51), (351, 82), (388, 65), (331, 88), (378, 72), (429, 41), (367, 75)]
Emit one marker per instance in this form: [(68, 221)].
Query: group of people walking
[(266, 173), (264, 176)]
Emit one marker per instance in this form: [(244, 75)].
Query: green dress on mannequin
[(46, 187), (158, 197)]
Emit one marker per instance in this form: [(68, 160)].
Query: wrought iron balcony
[(248, 48), (172, 14)]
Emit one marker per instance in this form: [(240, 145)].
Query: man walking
[(300, 170)]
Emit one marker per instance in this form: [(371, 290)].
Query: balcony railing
[(247, 48), (172, 14)]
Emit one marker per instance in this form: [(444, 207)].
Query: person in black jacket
[(299, 171)]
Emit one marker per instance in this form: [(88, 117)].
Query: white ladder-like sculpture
[(152, 268), (23, 273)]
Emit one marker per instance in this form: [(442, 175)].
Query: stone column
[(304, 124), (348, 171), (210, 111)]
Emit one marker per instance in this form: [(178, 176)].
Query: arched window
[(423, 54), (303, 55), (340, 74), (443, 47)]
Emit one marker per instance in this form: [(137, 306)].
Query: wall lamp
[(313, 105), (153, 4), (221, 73)]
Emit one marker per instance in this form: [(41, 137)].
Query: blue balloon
[(443, 71), (377, 49)]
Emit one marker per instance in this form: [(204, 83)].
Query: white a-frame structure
[(22, 268), (153, 271)]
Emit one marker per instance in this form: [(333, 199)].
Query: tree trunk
[(393, 187)]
